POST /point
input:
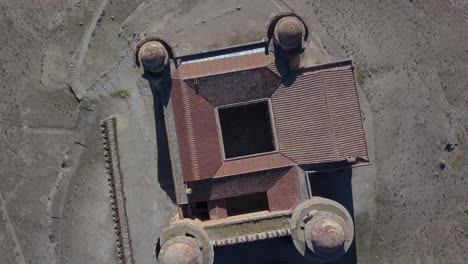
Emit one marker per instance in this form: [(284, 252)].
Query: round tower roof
[(289, 32), (180, 250), (153, 56), (326, 236)]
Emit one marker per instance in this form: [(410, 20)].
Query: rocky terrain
[(411, 57)]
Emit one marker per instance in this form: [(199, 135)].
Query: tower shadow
[(282, 66), (335, 184), (158, 85), (325, 181)]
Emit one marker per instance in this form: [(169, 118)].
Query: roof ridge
[(222, 66), (331, 66), (278, 166), (224, 72)]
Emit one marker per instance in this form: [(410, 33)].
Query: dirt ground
[(411, 57)]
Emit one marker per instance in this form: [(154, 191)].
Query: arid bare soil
[(411, 57)]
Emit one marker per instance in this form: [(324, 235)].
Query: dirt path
[(411, 65)]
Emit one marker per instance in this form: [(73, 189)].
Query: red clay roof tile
[(316, 114)]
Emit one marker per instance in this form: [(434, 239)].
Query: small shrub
[(121, 93)]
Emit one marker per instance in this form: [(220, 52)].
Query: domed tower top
[(153, 56), (325, 237), (181, 250), (289, 32)]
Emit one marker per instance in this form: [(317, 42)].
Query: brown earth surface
[(411, 57)]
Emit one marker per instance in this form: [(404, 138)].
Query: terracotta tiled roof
[(232, 87), (318, 117), (204, 68), (218, 188), (316, 113), (345, 115), (197, 133), (252, 164)]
